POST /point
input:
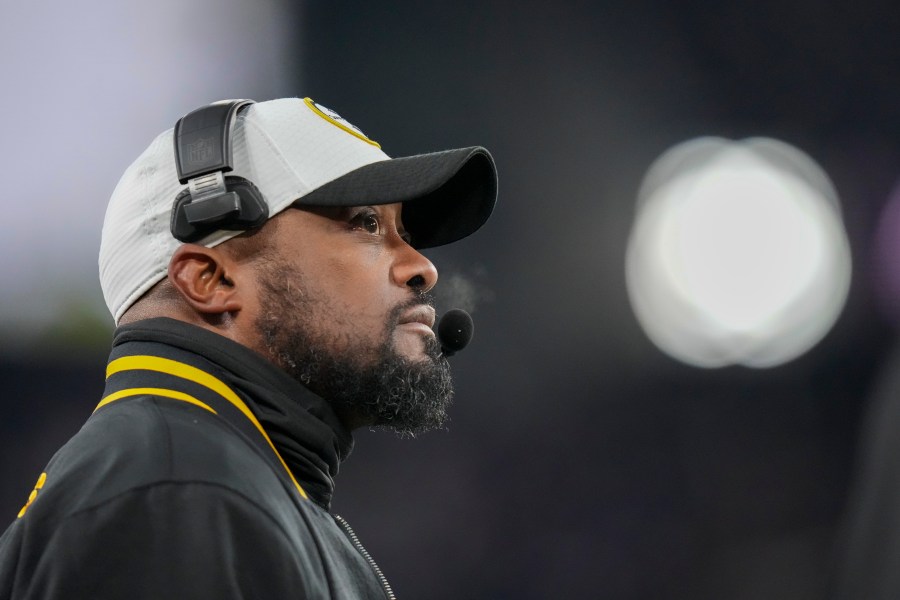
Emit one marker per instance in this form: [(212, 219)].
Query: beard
[(367, 382)]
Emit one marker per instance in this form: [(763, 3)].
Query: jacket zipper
[(352, 535)]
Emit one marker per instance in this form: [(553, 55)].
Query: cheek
[(358, 290)]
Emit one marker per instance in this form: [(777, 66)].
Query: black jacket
[(205, 472)]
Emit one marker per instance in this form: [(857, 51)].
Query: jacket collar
[(302, 426)]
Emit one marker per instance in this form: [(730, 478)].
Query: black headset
[(203, 155)]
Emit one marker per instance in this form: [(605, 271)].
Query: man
[(262, 264)]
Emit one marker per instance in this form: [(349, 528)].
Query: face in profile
[(343, 306)]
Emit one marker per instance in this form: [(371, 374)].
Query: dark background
[(580, 461)]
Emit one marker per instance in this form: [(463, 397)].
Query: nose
[(412, 269)]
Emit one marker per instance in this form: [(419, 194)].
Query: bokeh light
[(738, 254)]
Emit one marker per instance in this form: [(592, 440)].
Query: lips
[(421, 313)]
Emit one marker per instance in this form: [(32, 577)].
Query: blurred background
[(684, 373)]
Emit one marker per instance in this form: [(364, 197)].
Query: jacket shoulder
[(143, 441), (151, 479), (177, 539)]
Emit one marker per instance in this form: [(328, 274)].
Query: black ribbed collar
[(303, 426)]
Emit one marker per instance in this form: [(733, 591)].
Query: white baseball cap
[(295, 152)]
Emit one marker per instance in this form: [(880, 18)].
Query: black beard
[(409, 397)]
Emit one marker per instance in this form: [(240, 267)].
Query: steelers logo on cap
[(339, 121)]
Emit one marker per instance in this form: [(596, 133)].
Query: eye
[(366, 220)]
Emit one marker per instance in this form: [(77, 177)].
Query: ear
[(203, 277)]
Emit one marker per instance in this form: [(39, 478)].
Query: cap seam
[(277, 151)]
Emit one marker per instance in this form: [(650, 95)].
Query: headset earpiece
[(203, 155), (240, 209)]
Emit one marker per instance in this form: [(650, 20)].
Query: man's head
[(336, 294)]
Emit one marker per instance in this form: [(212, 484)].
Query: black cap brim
[(447, 195)]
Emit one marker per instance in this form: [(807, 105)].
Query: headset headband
[(203, 154)]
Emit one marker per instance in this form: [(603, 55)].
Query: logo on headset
[(200, 151)]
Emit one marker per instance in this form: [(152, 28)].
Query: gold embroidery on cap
[(346, 126)]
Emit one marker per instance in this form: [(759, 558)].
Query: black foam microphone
[(455, 331)]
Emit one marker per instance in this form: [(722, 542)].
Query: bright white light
[(738, 253)]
